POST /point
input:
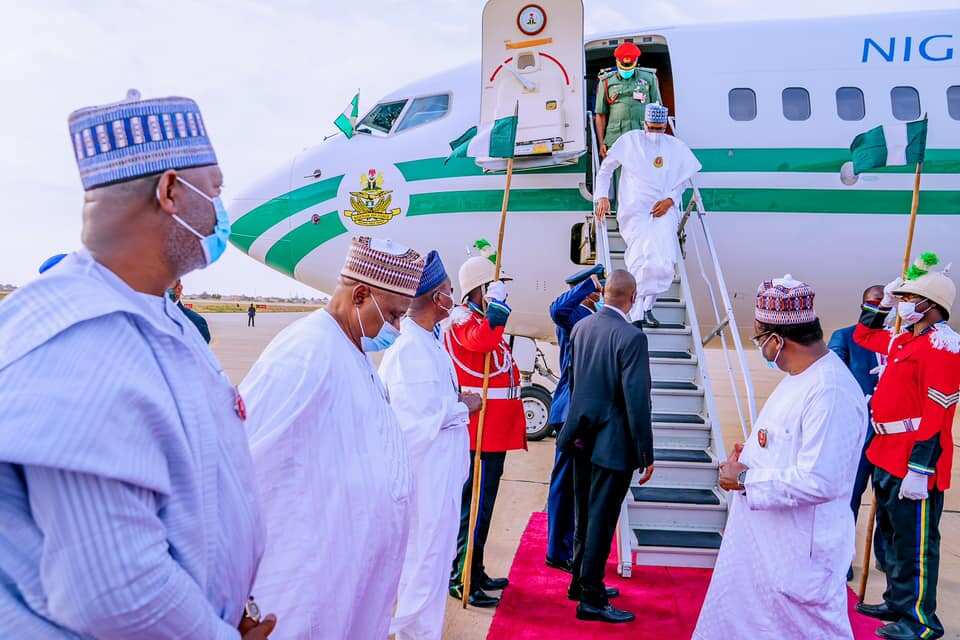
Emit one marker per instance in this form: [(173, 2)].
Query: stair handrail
[(600, 226), (727, 305)]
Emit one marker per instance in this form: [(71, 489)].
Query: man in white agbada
[(127, 507), (655, 166), (790, 532), (433, 416), (331, 467)]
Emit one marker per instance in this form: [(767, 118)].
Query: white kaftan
[(651, 242), (333, 481), (789, 540), (423, 387)]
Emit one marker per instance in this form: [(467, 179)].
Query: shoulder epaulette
[(944, 338), (650, 70), (606, 73)]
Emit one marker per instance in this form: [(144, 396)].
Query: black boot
[(879, 611), (650, 321), (492, 584), (901, 631), (478, 598), (608, 613)]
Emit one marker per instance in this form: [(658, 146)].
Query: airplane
[(769, 108)]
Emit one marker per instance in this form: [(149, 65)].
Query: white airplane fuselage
[(771, 185)]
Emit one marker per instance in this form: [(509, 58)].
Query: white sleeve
[(601, 182), (832, 432), (424, 409)]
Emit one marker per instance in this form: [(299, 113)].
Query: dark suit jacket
[(610, 403)]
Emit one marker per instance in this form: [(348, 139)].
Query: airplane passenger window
[(424, 110), (743, 104), (383, 116), (850, 104), (953, 101), (796, 103), (905, 102)]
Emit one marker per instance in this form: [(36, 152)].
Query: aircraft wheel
[(536, 408)]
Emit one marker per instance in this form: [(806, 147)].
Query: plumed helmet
[(476, 272)]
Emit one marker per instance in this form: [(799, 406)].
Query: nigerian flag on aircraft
[(889, 145), (347, 120), (494, 140)]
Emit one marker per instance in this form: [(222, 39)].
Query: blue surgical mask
[(216, 243), (771, 364), (626, 74), (387, 335), (598, 304)]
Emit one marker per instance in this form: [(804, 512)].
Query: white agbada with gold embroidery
[(424, 392), (789, 540), (651, 242), (334, 482)]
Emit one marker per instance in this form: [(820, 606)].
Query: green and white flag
[(889, 145), (495, 140), (347, 120)]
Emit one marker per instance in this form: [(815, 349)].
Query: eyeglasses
[(760, 340)]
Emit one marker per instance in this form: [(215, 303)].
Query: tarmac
[(525, 480)]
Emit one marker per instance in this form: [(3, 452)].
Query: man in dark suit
[(608, 430)]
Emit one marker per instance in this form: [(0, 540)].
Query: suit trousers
[(491, 469), (560, 508), (911, 532), (599, 493)]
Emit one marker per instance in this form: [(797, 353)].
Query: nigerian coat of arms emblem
[(371, 205)]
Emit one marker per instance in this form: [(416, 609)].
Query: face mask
[(626, 74), (771, 364), (216, 243), (446, 309), (598, 304), (909, 314), (172, 295), (387, 335)]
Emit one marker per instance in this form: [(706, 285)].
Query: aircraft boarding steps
[(677, 518)]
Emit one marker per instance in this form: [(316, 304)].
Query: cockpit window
[(383, 116), (424, 110)]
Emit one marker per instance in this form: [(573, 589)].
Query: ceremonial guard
[(476, 329), (622, 95), (912, 449)]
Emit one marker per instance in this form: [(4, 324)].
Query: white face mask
[(771, 364), (909, 314)]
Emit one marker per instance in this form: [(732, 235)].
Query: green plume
[(915, 272), (929, 258)]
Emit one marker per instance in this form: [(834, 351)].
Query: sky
[(269, 77)]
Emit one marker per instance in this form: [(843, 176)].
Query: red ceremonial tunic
[(921, 380), (468, 342)]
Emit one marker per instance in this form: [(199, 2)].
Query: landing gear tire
[(536, 408)]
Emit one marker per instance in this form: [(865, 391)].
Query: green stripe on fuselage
[(251, 225), (293, 247), (485, 200), (862, 201), (434, 168), (823, 160)]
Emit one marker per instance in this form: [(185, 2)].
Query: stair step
[(666, 325), (659, 299), (674, 370), (677, 400), (681, 455), (677, 418), (676, 355), (673, 384), (678, 539), (675, 495)]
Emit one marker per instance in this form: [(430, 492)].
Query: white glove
[(496, 290), (914, 486), (888, 298)]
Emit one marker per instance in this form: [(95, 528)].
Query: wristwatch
[(742, 478), (251, 610)]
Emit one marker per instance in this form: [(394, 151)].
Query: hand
[(730, 473), (251, 630), (914, 486), (661, 207), (496, 290), (596, 282), (602, 208), (647, 474), (889, 300), (472, 400), (735, 454), (603, 150)]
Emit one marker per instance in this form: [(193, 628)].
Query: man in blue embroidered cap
[(656, 168), (433, 416), (127, 479)]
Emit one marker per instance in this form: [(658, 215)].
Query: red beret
[(627, 50)]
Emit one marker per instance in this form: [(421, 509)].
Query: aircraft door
[(532, 63)]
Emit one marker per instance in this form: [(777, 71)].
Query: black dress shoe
[(608, 613), (565, 565), (574, 593), (900, 631), (849, 574), (650, 321), (477, 599), (879, 611), (493, 584)]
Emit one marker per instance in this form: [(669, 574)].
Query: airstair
[(678, 517)]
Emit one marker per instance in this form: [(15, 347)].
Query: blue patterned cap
[(655, 113), (135, 138), (433, 274)]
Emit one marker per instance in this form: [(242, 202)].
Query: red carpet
[(666, 599)]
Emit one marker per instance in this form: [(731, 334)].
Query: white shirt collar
[(622, 313)]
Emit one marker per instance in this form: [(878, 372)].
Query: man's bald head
[(620, 290)]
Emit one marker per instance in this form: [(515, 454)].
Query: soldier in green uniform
[(622, 96)]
